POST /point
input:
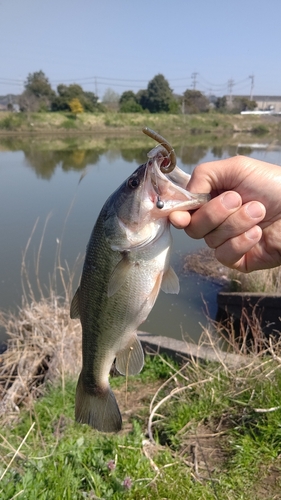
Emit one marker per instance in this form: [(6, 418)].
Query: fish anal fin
[(74, 307), (131, 359), (119, 275), (98, 409), (170, 282)]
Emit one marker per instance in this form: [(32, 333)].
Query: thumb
[(217, 176)]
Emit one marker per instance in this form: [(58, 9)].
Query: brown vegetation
[(204, 262)]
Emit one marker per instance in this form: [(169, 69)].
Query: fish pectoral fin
[(119, 275), (155, 291), (170, 282), (131, 359), (74, 307)]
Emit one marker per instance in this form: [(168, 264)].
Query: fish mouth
[(159, 180), (168, 191)]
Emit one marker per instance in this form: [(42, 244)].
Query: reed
[(43, 342)]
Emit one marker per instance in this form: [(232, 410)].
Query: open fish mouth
[(166, 182)]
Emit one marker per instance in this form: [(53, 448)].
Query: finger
[(218, 175), (180, 219), (234, 253), (242, 220), (213, 214)]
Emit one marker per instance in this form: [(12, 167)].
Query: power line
[(197, 80)]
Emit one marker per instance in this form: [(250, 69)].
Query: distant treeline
[(158, 97)]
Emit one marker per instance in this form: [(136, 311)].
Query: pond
[(39, 185)]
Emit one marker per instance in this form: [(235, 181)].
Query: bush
[(260, 130), (130, 106), (12, 121)]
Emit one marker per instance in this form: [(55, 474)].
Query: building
[(268, 103)]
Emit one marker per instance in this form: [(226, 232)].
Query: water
[(38, 182)]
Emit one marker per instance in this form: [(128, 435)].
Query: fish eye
[(133, 182)]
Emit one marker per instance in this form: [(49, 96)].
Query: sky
[(216, 46)]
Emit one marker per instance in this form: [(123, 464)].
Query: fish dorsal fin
[(131, 359), (170, 282), (119, 275), (74, 307)]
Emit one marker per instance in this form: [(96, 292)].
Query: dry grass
[(43, 342), (204, 262)]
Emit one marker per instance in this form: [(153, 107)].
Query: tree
[(38, 93), (128, 103), (142, 99), (195, 102), (110, 96), (111, 99), (66, 93), (242, 103), (28, 103), (90, 102), (221, 103), (128, 95), (76, 106), (158, 97), (38, 84)]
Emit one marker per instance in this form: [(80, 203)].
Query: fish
[(126, 264)]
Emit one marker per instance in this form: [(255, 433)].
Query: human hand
[(242, 222)]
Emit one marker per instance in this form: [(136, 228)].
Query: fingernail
[(231, 200), (253, 233), (255, 210)]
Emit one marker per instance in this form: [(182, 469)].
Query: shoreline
[(128, 124)]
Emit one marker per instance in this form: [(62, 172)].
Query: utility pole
[(230, 84), (96, 86), (252, 77), (193, 78)]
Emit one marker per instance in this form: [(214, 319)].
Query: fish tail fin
[(98, 409)]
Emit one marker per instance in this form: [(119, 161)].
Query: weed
[(204, 262), (13, 121), (260, 130), (68, 124)]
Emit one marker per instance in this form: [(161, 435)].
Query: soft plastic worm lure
[(164, 147)]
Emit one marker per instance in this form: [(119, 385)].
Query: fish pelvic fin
[(170, 282), (74, 307), (130, 360), (98, 409)]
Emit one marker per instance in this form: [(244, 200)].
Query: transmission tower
[(230, 84), (194, 81)]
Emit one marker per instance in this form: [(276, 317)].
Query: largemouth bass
[(126, 264)]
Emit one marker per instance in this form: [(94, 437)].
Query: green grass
[(239, 459), (13, 121), (69, 124), (169, 125)]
